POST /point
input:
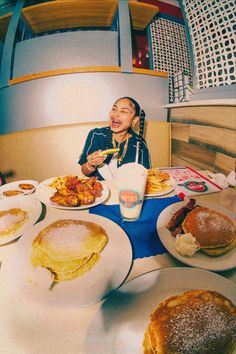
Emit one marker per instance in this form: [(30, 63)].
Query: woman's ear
[(135, 123)]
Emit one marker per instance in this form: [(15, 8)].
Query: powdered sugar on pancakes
[(209, 227), (195, 322), (9, 220), (72, 235), (195, 329), (213, 221)]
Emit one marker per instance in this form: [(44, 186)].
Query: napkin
[(222, 180), (142, 233)]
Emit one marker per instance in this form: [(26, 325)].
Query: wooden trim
[(88, 69), (64, 72), (150, 72), (4, 22), (210, 102), (55, 15), (142, 14)]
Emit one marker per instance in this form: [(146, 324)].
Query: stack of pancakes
[(11, 221), (214, 231), (195, 322), (68, 248), (156, 181)]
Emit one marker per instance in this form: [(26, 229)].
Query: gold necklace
[(117, 145)]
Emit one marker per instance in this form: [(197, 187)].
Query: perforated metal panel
[(170, 49), (212, 29)]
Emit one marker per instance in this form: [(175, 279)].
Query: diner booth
[(64, 63)]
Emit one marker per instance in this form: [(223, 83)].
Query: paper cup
[(131, 181)]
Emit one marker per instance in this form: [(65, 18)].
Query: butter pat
[(41, 277), (186, 244)]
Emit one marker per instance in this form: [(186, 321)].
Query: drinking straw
[(137, 151)]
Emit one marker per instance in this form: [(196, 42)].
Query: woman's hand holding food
[(95, 159)]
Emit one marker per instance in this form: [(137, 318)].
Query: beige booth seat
[(52, 151)]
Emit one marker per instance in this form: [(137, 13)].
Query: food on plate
[(157, 182), (12, 193), (175, 223), (73, 191), (59, 182), (68, 248), (194, 322), (213, 232), (26, 186), (186, 244), (11, 221), (109, 151)]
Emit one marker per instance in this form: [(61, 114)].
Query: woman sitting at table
[(119, 134)]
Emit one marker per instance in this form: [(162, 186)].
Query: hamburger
[(194, 322), (68, 248)]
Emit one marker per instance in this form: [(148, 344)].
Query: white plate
[(105, 276), (171, 182), (15, 186), (199, 259), (27, 203), (44, 192), (122, 320)]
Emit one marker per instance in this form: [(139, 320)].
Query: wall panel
[(204, 137)]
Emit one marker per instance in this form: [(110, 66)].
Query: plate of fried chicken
[(72, 192)]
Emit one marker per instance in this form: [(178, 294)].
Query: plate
[(28, 203), (15, 186), (104, 277), (122, 320), (199, 259), (171, 182), (44, 192)]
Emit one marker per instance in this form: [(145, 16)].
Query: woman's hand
[(95, 159)]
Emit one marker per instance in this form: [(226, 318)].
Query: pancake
[(11, 221), (156, 181), (68, 248), (214, 231), (195, 322)]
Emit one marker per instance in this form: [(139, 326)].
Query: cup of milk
[(131, 181)]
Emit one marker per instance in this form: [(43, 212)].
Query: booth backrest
[(53, 151)]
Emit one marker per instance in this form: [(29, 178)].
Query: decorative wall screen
[(170, 49), (212, 29)]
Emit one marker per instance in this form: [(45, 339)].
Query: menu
[(191, 182)]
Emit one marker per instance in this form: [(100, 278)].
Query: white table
[(29, 329)]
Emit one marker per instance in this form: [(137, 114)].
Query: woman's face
[(122, 115)]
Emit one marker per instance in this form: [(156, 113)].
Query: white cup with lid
[(131, 181)]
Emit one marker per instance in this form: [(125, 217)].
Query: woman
[(119, 134)]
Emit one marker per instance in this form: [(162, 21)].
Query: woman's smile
[(115, 123)]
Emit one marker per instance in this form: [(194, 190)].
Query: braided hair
[(138, 112)]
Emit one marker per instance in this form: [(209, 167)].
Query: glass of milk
[(131, 181)]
